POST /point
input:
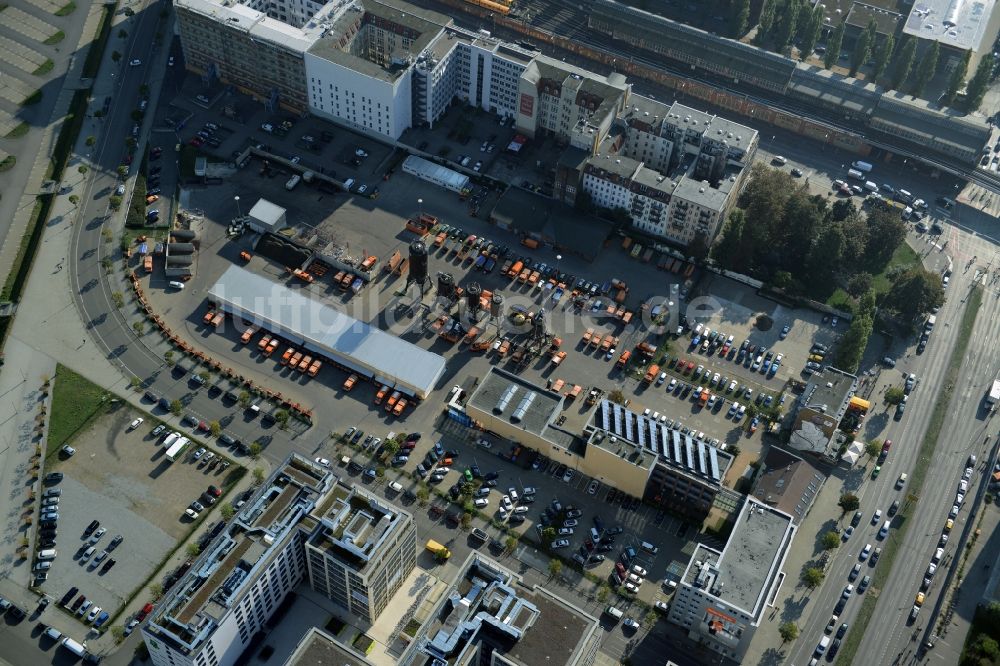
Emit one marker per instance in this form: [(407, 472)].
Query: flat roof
[(319, 648), (489, 608), (752, 555), (961, 24), (506, 396), (267, 212), (828, 391), (746, 568), (672, 447), (348, 341)]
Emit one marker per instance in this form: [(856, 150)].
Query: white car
[(568, 476), (484, 444), (672, 385), (481, 502), (529, 490), (521, 510), (506, 503), (593, 486), (630, 587), (199, 453), (323, 462), (120, 190), (133, 623), (877, 516), (638, 571), (635, 580), (135, 424), (563, 531), (191, 513), (134, 63), (98, 533), (296, 159), (559, 543), (630, 623), (442, 470), (865, 552)]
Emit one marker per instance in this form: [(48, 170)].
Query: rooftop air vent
[(522, 408)]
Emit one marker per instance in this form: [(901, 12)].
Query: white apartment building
[(722, 596), (209, 617)]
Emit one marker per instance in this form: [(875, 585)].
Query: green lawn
[(904, 256), (75, 403)]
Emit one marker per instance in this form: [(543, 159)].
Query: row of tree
[(800, 22)]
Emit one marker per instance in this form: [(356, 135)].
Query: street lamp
[(237, 200), (420, 204)]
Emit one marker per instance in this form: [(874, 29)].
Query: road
[(888, 633)]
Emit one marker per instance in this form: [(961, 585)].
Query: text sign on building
[(527, 105)]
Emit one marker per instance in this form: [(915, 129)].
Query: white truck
[(994, 395), (862, 166), (177, 450)]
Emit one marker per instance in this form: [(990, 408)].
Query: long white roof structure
[(327, 331)]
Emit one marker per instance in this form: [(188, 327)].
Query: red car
[(146, 610), (156, 151), (128, 159), (214, 492), (195, 141), (689, 367)]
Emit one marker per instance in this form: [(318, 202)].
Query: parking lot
[(121, 479)]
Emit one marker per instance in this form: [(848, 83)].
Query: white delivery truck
[(994, 395), (855, 174), (74, 647), (862, 166), (177, 450)]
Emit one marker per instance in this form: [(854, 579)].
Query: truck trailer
[(176, 450), (994, 395)]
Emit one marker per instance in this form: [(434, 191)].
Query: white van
[(348, 184), (614, 612), (904, 196), (649, 548), (171, 438), (47, 554), (396, 487), (824, 643), (870, 186), (53, 633), (938, 554), (74, 647), (882, 533)]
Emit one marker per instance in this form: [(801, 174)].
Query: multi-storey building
[(361, 552), (294, 529), (490, 616), (722, 596), (627, 450)]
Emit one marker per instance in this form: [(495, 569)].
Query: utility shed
[(266, 216), (325, 331)]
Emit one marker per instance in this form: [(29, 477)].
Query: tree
[(258, 475), (205, 376), (602, 592), (115, 202), (784, 29), (254, 450), (833, 46), (926, 69), (976, 90), (650, 618), (863, 47), (555, 567), (175, 407), (813, 577), (886, 232), (510, 543), (192, 549), (423, 494), (849, 502), (913, 294), (852, 345), (860, 283), (118, 633), (168, 358), (227, 511), (789, 631), (830, 540), (873, 447), (903, 62), (548, 535), (156, 590), (91, 140), (139, 327), (115, 56), (811, 33), (244, 399), (957, 79), (82, 169), (215, 428), (728, 250), (281, 416), (391, 447), (122, 34), (740, 19), (894, 395), (767, 13), (466, 520), (882, 54), (616, 396)]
